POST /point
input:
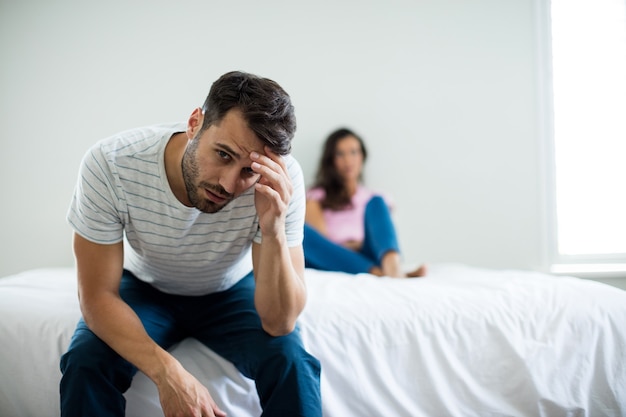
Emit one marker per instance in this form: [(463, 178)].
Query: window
[(589, 126)]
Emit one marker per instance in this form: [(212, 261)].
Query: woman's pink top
[(346, 224)]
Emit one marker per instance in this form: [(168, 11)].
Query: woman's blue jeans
[(287, 378), (380, 238)]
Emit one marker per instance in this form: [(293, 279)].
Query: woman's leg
[(321, 253), (381, 241), (380, 233), (94, 376), (287, 377)]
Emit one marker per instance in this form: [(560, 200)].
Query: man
[(212, 213)]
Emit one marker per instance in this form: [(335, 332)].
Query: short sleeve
[(95, 208)]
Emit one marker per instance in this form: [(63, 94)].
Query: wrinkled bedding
[(463, 341)]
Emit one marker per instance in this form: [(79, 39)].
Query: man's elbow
[(278, 328)]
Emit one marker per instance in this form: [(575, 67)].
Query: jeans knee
[(289, 355), (288, 382), (89, 359), (377, 202)]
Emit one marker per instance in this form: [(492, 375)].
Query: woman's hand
[(354, 245)]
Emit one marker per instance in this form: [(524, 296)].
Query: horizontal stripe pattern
[(122, 193)]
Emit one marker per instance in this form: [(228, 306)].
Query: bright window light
[(589, 84)]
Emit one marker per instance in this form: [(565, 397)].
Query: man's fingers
[(273, 173)]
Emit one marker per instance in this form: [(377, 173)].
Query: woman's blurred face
[(349, 159)]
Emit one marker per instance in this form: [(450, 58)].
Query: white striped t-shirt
[(122, 191)]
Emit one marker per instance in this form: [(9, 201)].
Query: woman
[(349, 227)]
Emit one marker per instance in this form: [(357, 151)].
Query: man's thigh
[(155, 309), (229, 324)]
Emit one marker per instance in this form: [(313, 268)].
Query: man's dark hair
[(264, 104), (328, 178)]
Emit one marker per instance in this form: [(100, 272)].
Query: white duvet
[(461, 342)]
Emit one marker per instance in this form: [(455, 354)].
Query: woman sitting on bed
[(349, 227)]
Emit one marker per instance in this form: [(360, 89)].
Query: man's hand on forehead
[(273, 190)]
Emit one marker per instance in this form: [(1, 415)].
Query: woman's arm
[(314, 216)]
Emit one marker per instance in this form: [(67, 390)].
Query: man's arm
[(110, 318), (280, 293)]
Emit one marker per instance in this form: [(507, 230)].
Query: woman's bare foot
[(391, 268), (376, 271), (419, 272), (390, 265)]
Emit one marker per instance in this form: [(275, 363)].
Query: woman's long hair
[(328, 178)]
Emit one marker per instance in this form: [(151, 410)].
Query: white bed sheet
[(462, 342)]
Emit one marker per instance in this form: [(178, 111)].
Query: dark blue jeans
[(380, 238), (287, 378)]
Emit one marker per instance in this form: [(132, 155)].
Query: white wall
[(445, 93)]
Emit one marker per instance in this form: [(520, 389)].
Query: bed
[(463, 341)]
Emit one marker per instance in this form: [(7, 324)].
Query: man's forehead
[(241, 148), (233, 135)]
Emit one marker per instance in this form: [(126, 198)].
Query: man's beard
[(190, 170)]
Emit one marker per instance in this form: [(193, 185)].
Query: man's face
[(216, 163)]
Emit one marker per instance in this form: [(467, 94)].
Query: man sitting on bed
[(212, 212)]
